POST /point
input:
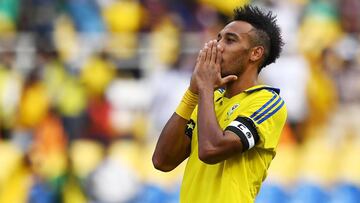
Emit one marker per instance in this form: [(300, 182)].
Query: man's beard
[(226, 72)]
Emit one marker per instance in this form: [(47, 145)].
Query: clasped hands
[(207, 72)]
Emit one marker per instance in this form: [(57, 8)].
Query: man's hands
[(207, 72)]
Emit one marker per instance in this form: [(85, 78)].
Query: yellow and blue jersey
[(257, 116)]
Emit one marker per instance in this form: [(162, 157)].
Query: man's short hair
[(267, 32)]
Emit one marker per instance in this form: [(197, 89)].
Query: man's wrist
[(205, 89), (193, 89), (187, 105)]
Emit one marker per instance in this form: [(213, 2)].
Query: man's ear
[(257, 53)]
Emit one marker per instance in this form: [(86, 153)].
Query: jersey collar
[(261, 87)]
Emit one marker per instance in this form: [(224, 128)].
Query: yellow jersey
[(257, 116)]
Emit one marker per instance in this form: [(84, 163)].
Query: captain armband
[(246, 130)]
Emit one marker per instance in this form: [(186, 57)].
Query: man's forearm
[(209, 131), (173, 145)]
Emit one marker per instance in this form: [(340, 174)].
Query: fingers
[(199, 56), (214, 52), (203, 54), (227, 79), (218, 54), (208, 48)]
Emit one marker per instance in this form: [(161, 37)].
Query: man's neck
[(246, 80)]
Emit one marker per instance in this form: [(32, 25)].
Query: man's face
[(235, 41)]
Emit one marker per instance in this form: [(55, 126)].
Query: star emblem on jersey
[(190, 127)]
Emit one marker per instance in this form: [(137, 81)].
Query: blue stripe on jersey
[(221, 90), (268, 109), (264, 106), (271, 113)]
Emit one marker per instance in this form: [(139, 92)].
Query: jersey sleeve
[(260, 121)]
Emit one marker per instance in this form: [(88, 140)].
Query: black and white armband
[(246, 130)]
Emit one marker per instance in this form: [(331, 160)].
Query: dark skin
[(231, 62)]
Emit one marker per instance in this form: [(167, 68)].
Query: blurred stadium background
[(86, 86)]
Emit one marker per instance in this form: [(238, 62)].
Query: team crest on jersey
[(231, 111)]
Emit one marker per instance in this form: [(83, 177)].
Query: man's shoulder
[(266, 103), (260, 96), (262, 89)]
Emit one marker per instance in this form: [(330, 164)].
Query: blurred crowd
[(87, 85)]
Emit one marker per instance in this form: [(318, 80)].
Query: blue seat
[(310, 193), (41, 193), (272, 193), (151, 194), (345, 193), (174, 196)]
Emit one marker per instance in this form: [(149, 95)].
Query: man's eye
[(230, 40)]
